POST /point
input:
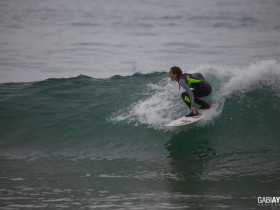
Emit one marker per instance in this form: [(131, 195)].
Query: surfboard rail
[(184, 121)]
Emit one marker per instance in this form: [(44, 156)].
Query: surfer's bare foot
[(211, 103)]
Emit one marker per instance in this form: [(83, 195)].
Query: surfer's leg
[(197, 94), (186, 99), (203, 104), (202, 91)]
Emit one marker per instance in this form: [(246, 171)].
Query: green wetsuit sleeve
[(183, 83)]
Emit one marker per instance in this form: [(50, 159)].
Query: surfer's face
[(172, 76)]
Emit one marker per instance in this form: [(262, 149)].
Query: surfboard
[(185, 121)]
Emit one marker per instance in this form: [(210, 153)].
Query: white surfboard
[(184, 121)]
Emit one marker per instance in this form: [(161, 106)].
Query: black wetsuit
[(200, 86)]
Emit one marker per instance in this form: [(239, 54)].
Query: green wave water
[(86, 143)]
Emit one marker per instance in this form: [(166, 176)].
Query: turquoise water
[(85, 95), (87, 143)]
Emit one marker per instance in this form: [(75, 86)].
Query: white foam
[(17, 179), (163, 102), (244, 79), (157, 109)]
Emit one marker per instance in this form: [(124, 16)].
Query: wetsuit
[(200, 86)]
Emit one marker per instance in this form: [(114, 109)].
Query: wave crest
[(161, 102)]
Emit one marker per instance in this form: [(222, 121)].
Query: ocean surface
[(85, 95)]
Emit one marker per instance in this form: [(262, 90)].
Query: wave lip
[(161, 102), (83, 107)]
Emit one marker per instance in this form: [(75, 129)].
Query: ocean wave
[(82, 111), (162, 104)]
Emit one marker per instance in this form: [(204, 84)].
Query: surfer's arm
[(188, 90)]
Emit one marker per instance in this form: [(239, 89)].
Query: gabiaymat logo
[(269, 201)]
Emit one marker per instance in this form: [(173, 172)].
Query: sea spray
[(100, 141), (161, 102), (156, 108)]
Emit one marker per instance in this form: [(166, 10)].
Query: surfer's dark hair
[(178, 71)]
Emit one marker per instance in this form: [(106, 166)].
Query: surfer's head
[(174, 73)]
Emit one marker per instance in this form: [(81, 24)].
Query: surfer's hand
[(193, 109)]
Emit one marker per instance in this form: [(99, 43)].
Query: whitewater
[(83, 142), (85, 95), (162, 105)]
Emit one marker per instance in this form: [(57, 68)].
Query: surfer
[(200, 86)]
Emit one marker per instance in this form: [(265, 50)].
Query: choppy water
[(93, 143), (46, 39), (85, 93)]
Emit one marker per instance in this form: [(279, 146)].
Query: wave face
[(239, 91), (102, 132)]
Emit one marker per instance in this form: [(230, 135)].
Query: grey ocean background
[(85, 95), (46, 39)]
